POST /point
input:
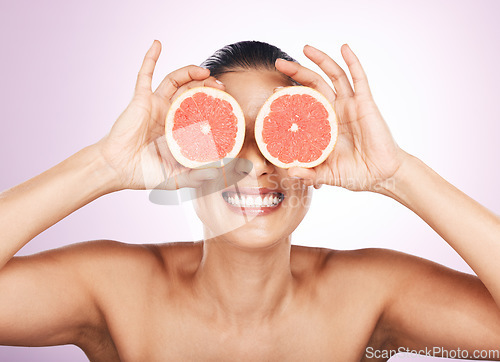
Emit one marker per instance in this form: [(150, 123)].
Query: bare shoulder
[(109, 254), (330, 262), (379, 263), (110, 261), (107, 266), (96, 259), (374, 287), (381, 275), (64, 295), (121, 277)]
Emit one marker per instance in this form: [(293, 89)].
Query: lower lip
[(254, 211)]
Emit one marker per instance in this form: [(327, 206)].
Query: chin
[(254, 239)]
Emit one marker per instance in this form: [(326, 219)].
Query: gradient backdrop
[(69, 68)]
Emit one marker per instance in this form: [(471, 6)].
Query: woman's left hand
[(365, 156)]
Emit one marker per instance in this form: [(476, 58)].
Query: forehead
[(251, 88)]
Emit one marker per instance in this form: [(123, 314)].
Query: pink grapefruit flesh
[(296, 126), (203, 126)]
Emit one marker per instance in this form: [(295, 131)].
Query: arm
[(470, 228), (58, 192), (426, 304), (442, 307), (43, 298), (51, 297)]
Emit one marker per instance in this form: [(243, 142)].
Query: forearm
[(470, 228), (33, 206)]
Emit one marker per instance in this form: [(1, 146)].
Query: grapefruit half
[(203, 126), (296, 126)]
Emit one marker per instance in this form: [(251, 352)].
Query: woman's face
[(283, 201)]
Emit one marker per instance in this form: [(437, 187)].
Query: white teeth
[(253, 200)]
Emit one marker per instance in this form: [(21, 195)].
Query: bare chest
[(180, 334)]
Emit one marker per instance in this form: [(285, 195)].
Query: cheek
[(202, 205), (298, 205), (211, 210), (298, 197)]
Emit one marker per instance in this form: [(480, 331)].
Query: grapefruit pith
[(204, 125), (296, 126)]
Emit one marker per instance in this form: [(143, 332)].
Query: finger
[(305, 77), (214, 83), (185, 177), (359, 79), (331, 69), (178, 78), (209, 82), (145, 76), (308, 175)]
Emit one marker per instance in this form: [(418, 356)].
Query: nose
[(251, 161)]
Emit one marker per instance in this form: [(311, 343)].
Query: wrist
[(103, 178), (394, 186)]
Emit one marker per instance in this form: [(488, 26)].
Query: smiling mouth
[(272, 199), (253, 198)]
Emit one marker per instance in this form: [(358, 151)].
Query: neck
[(246, 284)]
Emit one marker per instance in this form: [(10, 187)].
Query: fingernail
[(219, 82), (310, 46)]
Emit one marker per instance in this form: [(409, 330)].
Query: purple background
[(69, 68)]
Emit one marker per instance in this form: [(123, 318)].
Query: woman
[(244, 293)]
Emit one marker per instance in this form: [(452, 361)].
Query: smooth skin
[(224, 298)]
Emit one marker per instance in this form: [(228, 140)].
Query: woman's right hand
[(135, 148)]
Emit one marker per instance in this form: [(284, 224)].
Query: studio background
[(69, 69)]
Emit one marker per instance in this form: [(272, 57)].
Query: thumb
[(195, 177), (302, 173)]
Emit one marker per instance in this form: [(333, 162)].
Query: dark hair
[(245, 55)]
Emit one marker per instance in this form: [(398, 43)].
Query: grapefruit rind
[(265, 110), (175, 148)]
